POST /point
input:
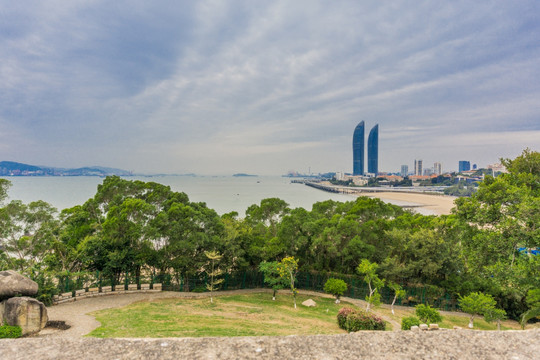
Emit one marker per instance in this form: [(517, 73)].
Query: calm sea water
[(223, 194)]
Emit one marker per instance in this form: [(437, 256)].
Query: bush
[(427, 314), (362, 320), (342, 317), (335, 287), (10, 332), (408, 322)]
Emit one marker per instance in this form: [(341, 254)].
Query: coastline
[(438, 204)]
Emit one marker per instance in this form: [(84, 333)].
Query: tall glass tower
[(373, 150), (358, 149)]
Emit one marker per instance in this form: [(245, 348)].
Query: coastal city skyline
[(266, 87)]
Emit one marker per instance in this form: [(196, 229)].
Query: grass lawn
[(236, 315), (246, 315)]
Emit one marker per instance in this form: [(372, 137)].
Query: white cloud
[(267, 86)]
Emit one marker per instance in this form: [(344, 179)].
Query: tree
[(494, 314), (214, 257), (287, 269), (533, 302), (272, 276), (399, 292), (427, 314), (476, 303), (497, 221), (335, 287), (4, 186), (26, 232), (369, 270)]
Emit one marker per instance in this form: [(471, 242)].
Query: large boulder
[(14, 284), (28, 313)]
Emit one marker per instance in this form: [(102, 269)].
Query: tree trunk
[(186, 283)]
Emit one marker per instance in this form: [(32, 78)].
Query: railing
[(92, 284)]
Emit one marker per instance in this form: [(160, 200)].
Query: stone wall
[(105, 290)]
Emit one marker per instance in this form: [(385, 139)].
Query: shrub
[(10, 332), (362, 320), (342, 317), (335, 287), (408, 322), (427, 314)]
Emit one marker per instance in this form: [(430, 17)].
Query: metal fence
[(314, 281)]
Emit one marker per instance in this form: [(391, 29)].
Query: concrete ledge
[(517, 344)]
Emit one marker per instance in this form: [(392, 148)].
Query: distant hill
[(11, 168)]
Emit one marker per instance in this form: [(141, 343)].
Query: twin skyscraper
[(372, 150)]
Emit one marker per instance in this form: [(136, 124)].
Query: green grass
[(246, 315), (237, 315)]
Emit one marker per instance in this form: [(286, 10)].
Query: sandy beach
[(439, 204)]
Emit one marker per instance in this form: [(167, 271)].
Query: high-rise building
[(404, 170), (418, 167), (358, 149), (437, 168), (373, 150), (464, 166)]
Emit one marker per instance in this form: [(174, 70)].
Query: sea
[(221, 193)]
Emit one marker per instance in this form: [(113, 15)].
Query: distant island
[(10, 168), (242, 175)]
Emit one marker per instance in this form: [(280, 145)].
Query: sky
[(265, 87)]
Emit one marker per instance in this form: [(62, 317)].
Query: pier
[(429, 190)]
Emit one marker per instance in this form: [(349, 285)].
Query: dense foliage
[(140, 228), (342, 316), (362, 320), (427, 314), (10, 332), (409, 321), (335, 287)]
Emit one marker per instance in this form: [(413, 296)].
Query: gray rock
[(14, 284), (415, 328), (1, 313), (309, 303), (28, 313), (423, 327)]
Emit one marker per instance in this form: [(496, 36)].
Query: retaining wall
[(105, 290)]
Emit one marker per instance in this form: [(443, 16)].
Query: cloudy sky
[(219, 87)]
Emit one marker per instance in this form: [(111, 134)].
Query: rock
[(423, 327), (415, 328), (457, 328), (28, 313), (309, 303), (1, 313), (433, 326), (14, 284)]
